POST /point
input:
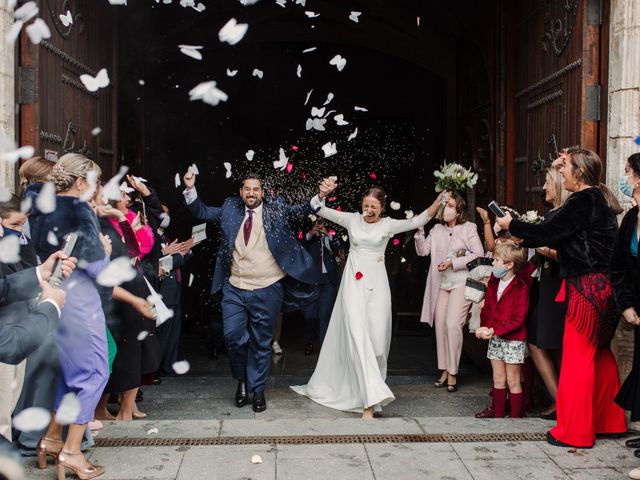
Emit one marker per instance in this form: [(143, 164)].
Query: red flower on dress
[(358, 275)]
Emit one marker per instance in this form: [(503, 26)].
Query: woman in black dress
[(625, 275), (545, 325)]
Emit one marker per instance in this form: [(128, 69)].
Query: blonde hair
[(560, 194), (34, 170), (70, 168), (510, 252)]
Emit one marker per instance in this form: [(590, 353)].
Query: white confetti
[(409, 214), (308, 96), (92, 181), (360, 109), (249, 154), (142, 335), (111, 190), (177, 180), (403, 260), (38, 31), (299, 71), (93, 84), (181, 367), (339, 62), (25, 205), (418, 21), (312, 217), (118, 271), (141, 82), (13, 32), (12, 154), (316, 124), (152, 431), (32, 419), (231, 73), (10, 249), (353, 135), (193, 170), (5, 195), (191, 278), (394, 206), (340, 120), (96, 131), (124, 187), (257, 73), (345, 238), (301, 2), (329, 98), (200, 8), (66, 19), (192, 51), (249, 2), (310, 49), (68, 410), (311, 14), (227, 167), (282, 161), (317, 112), (118, 2), (256, 459), (46, 201), (52, 239), (27, 11), (354, 16), (282, 3), (208, 93), (232, 32), (329, 149)]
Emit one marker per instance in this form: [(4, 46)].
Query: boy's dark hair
[(10, 206), (250, 176)]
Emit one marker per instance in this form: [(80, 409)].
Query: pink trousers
[(449, 319)]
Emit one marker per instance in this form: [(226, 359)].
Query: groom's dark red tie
[(247, 227)]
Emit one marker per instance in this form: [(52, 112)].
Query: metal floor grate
[(321, 439)]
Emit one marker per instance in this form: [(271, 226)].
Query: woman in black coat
[(625, 275)]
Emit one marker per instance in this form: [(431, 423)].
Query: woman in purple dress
[(81, 336)]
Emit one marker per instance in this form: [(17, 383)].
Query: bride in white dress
[(352, 366)]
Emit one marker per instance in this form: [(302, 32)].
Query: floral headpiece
[(57, 168)]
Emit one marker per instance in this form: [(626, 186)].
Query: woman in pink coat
[(452, 244)]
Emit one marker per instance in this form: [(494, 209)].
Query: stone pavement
[(358, 461)]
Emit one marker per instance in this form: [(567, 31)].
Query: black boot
[(259, 402), (242, 397)]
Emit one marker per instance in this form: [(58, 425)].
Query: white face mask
[(449, 214), (166, 220)]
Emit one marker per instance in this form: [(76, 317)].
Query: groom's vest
[(253, 265)]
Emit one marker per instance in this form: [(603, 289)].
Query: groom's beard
[(252, 202)]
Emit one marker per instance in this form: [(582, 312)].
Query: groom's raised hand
[(327, 186), (189, 179)]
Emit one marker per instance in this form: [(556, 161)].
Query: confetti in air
[(93, 84), (208, 93), (231, 73), (233, 32), (66, 19), (257, 73), (192, 51), (354, 16), (339, 62)]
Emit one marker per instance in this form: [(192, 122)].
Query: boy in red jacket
[(502, 321)]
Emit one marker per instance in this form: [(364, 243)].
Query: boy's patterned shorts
[(509, 351)]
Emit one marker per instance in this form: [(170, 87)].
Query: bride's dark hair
[(377, 193)]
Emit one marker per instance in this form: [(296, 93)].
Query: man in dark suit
[(257, 251), (323, 248)]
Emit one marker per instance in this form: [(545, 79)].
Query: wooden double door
[(57, 114)]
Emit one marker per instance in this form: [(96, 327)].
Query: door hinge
[(26, 85), (592, 103), (594, 12)]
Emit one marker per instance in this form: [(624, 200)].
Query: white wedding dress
[(352, 366)]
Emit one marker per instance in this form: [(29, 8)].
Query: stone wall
[(623, 120), (7, 94)]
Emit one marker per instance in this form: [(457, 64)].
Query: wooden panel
[(557, 60), (64, 112)]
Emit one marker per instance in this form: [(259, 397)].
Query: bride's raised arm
[(341, 218), (420, 220)]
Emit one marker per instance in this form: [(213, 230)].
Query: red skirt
[(588, 381)]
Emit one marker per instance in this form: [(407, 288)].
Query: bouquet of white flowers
[(453, 177), (531, 216)]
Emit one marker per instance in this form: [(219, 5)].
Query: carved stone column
[(623, 121), (7, 94)]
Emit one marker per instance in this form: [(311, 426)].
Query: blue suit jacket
[(276, 214), (333, 269)]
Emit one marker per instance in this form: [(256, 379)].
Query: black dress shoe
[(156, 381), (550, 416), (557, 443), (633, 443), (259, 402), (242, 397)]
